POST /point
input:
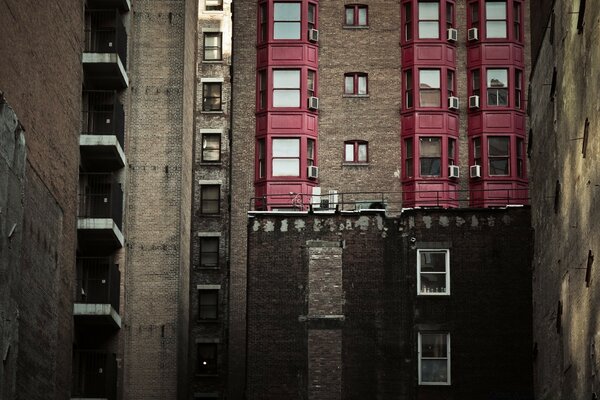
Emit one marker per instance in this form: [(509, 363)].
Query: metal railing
[(100, 196), (98, 281), (105, 33), (103, 114), (356, 201), (94, 374)]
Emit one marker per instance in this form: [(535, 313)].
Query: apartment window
[(517, 21), (430, 156), (408, 82), (261, 158), (498, 155), (356, 151), (286, 20), (477, 151), (408, 158), (434, 358), (497, 87), (520, 158), (207, 359), (450, 82), (211, 96), (356, 15), (213, 5), (449, 15), (312, 16), (474, 13), (209, 252), (495, 19), (518, 88), (433, 272), (263, 22), (211, 147), (429, 20), (310, 87), (213, 46), (586, 134), (286, 157), (262, 89), (355, 83), (310, 152), (208, 304), (210, 199), (286, 88), (476, 82), (429, 87), (451, 151), (408, 21)]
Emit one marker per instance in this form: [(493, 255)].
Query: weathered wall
[(40, 75), (565, 212), (296, 323)]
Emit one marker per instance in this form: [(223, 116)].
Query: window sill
[(355, 164), (207, 268), (351, 27), (356, 96), (212, 112), (210, 163), (212, 61)]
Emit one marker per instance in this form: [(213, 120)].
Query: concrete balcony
[(94, 375), (98, 292)]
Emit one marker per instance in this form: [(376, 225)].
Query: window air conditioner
[(453, 171), (313, 172), (453, 103), (475, 171), (313, 103), (313, 35), (452, 35), (473, 101), (473, 34)]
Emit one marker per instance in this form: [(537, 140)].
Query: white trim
[(208, 341), (208, 287), (210, 130), (208, 80), (209, 234), (210, 182), (446, 273), (211, 30), (448, 356)]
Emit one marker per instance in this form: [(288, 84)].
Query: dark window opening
[(207, 359), (588, 269)]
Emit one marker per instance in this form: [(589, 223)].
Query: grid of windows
[(356, 151), (286, 157), (434, 358), (433, 272), (286, 20), (355, 83), (210, 199), (211, 147), (211, 96), (356, 15), (213, 46)]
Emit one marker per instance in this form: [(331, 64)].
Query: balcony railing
[(105, 33), (356, 201), (103, 114), (98, 281), (100, 196), (94, 374)]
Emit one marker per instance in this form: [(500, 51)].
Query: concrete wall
[(565, 205), (40, 75)]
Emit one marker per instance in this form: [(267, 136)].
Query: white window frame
[(448, 357), (446, 273)]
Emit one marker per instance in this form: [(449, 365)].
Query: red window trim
[(410, 23), (480, 24), (355, 76), (356, 144), (356, 8)]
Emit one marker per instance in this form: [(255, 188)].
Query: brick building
[(433, 304), (563, 150)]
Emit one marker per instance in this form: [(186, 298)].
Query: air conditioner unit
[(313, 35), (473, 101), (453, 171), (473, 34), (313, 172), (453, 103), (475, 171), (313, 103), (452, 35)]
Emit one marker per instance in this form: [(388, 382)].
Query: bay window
[(286, 88), (434, 358), (429, 20), (262, 90), (474, 14), (262, 160), (430, 156), (497, 87), (477, 151), (263, 23), (408, 158), (286, 20), (310, 87), (312, 16), (476, 82), (449, 15), (286, 157), (408, 21), (498, 155), (520, 158), (451, 151), (495, 19), (429, 87), (517, 21), (518, 87), (450, 82), (408, 84), (310, 152)]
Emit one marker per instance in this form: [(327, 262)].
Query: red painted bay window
[(429, 156), (435, 86), (499, 156), (285, 88), (503, 87), (496, 20), (427, 20), (285, 157), (286, 20)]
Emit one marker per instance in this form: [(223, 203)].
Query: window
[(450, 81), (211, 147), (581, 16), (408, 158), (449, 15), (474, 13), (207, 358), (286, 20), (451, 151), (429, 87), (498, 155), (518, 88), (495, 19), (520, 158), (434, 358), (208, 304), (355, 84), (430, 151), (408, 21), (356, 151), (286, 157), (210, 199), (212, 46), (286, 88), (408, 82), (477, 151), (433, 272), (263, 23), (310, 87), (429, 20), (310, 152), (211, 96), (497, 87), (262, 90), (517, 21), (586, 134), (356, 15), (209, 252), (476, 82), (214, 5), (261, 158), (312, 16)]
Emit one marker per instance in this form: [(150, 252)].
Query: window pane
[(434, 345), (287, 11), (495, 10), (286, 148), (349, 84), (284, 14), (430, 166), (433, 261), (286, 30), (362, 152), (349, 152), (498, 146), (497, 78), (495, 29), (362, 16), (286, 79), (429, 10), (429, 83), (211, 147), (428, 30), (431, 147), (208, 300), (433, 283), (434, 371), (499, 166), (286, 167), (362, 85), (350, 16), (286, 98)]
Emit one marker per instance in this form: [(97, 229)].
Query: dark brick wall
[(487, 313), (41, 75)]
